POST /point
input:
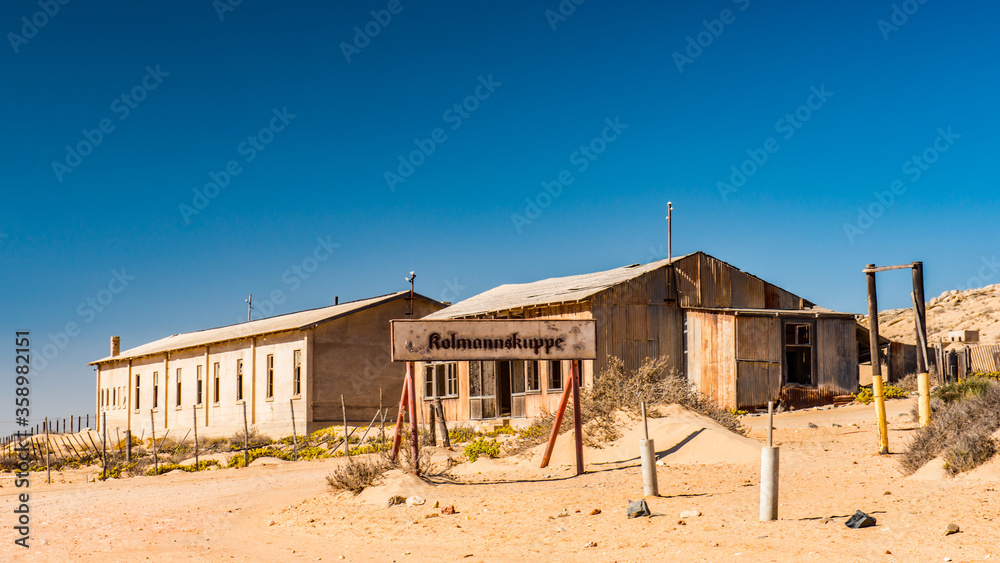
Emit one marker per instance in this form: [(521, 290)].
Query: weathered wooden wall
[(703, 281), (758, 360), (711, 348)]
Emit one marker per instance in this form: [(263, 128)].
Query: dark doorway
[(503, 388)]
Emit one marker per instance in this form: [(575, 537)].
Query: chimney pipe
[(336, 300), (116, 345)]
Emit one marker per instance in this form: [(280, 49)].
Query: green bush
[(461, 434), (202, 466), (504, 430), (482, 447), (890, 391), (237, 460)]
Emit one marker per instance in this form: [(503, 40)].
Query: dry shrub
[(357, 474), (963, 420), (908, 383), (615, 391)]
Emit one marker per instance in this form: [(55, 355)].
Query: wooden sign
[(493, 339)]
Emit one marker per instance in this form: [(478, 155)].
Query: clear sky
[(160, 161)]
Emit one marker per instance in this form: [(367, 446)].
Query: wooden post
[(411, 383), (104, 443), (343, 411), (923, 377), (567, 390), (152, 431), (442, 424), (577, 416), (381, 428), (883, 432), (432, 421), (295, 440), (397, 436), (128, 446), (920, 315), (246, 438), (194, 418), (48, 470)]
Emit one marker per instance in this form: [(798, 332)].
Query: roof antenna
[(410, 279), (249, 302), (670, 231)]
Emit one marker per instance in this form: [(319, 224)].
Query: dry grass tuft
[(357, 474), (965, 416)]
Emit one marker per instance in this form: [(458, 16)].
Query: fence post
[(246, 437), (194, 416), (152, 430), (343, 411), (442, 425), (295, 440), (48, 472), (104, 445)]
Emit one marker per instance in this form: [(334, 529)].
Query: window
[(114, 397), (297, 372), (178, 387), (156, 389), (270, 376), (198, 384), (215, 382), (137, 391), (531, 375), (482, 390), (441, 380), (239, 379), (798, 353), (555, 374)]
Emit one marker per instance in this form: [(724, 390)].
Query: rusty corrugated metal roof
[(280, 323), (546, 292)]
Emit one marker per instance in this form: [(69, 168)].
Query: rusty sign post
[(496, 340)]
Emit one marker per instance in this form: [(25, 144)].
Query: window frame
[(180, 397), (297, 373), (270, 376), (239, 380), (216, 381)]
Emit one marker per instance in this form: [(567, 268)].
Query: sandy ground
[(516, 512)]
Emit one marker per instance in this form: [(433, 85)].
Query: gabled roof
[(550, 291), (281, 323)]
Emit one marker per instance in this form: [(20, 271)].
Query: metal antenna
[(249, 302), (410, 279), (670, 231)]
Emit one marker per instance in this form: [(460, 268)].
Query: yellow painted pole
[(883, 432), (924, 387)]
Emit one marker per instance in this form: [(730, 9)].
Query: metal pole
[(567, 390), (647, 451), (883, 432), (769, 472), (577, 416), (670, 231), (411, 384), (381, 428), (397, 436)]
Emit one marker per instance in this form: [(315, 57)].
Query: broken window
[(799, 353)]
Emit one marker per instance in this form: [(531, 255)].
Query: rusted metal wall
[(711, 362), (703, 281), (836, 350), (635, 322), (985, 358), (758, 360)]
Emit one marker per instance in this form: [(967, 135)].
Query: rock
[(952, 529), (563, 514), (595, 512), (811, 425), (431, 515), (690, 514), (437, 504), (860, 520), (393, 501), (448, 510), (591, 544), (637, 509), (415, 501), (835, 425), (681, 523)]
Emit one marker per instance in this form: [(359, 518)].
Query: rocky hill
[(973, 309)]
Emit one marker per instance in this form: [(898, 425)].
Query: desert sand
[(511, 510)]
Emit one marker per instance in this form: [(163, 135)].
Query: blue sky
[(118, 115)]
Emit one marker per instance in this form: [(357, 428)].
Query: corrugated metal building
[(741, 340)]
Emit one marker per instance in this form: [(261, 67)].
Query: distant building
[(303, 361), (741, 340)]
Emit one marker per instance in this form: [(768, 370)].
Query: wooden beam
[(871, 269)]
